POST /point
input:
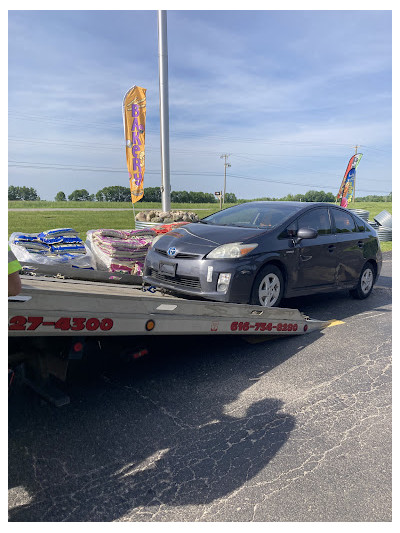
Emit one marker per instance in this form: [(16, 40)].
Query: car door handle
[(331, 248), (360, 244)]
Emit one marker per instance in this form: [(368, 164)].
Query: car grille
[(183, 281), (179, 255)]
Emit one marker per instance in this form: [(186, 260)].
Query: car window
[(344, 222), (268, 218), (317, 219), (238, 217), (289, 232), (359, 224), (257, 215)]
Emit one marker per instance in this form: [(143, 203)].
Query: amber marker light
[(150, 324)]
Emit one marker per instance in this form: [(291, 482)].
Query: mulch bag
[(49, 235), (121, 251), (33, 248), (31, 243), (65, 248)]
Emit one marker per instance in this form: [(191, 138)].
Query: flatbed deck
[(50, 306)]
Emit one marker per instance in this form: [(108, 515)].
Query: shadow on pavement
[(156, 432)]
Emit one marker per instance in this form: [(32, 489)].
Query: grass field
[(35, 222)]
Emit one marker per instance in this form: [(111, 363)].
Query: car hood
[(201, 238)]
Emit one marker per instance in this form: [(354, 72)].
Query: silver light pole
[(164, 112)]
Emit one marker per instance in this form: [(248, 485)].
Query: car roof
[(283, 202)]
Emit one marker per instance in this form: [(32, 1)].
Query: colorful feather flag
[(346, 191), (134, 114)]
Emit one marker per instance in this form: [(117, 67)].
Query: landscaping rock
[(158, 216)]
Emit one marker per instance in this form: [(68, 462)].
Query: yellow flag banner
[(134, 111)]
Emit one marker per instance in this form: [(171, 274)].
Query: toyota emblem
[(171, 251)]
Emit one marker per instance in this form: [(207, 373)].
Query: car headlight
[(231, 250)]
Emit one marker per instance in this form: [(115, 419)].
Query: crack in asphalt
[(314, 461)]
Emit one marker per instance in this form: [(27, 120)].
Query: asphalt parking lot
[(214, 429)]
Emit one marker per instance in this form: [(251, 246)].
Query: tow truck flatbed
[(61, 311), (70, 307)]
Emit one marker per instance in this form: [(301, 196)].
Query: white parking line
[(369, 316)]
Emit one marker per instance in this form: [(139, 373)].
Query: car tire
[(365, 282), (268, 287)]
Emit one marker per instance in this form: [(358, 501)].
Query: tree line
[(117, 193), (22, 193), (375, 198), (309, 196)]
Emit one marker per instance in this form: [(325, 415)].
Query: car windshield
[(253, 215)]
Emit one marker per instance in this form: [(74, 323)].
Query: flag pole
[(164, 114), (354, 190)]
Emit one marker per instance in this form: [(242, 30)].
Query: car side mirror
[(305, 233)]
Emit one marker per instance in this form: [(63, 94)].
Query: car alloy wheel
[(366, 281), (269, 290), (268, 287)]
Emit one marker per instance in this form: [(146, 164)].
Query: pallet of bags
[(52, 247), (122, 251)]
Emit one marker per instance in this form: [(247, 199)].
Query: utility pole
[(225, 156)]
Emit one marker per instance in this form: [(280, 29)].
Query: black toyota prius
[(261, 252)]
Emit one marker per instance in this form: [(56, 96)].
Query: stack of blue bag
[(60, 241)]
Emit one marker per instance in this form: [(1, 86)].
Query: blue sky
[(287, 94)]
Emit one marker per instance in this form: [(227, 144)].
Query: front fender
[(274, 258)]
